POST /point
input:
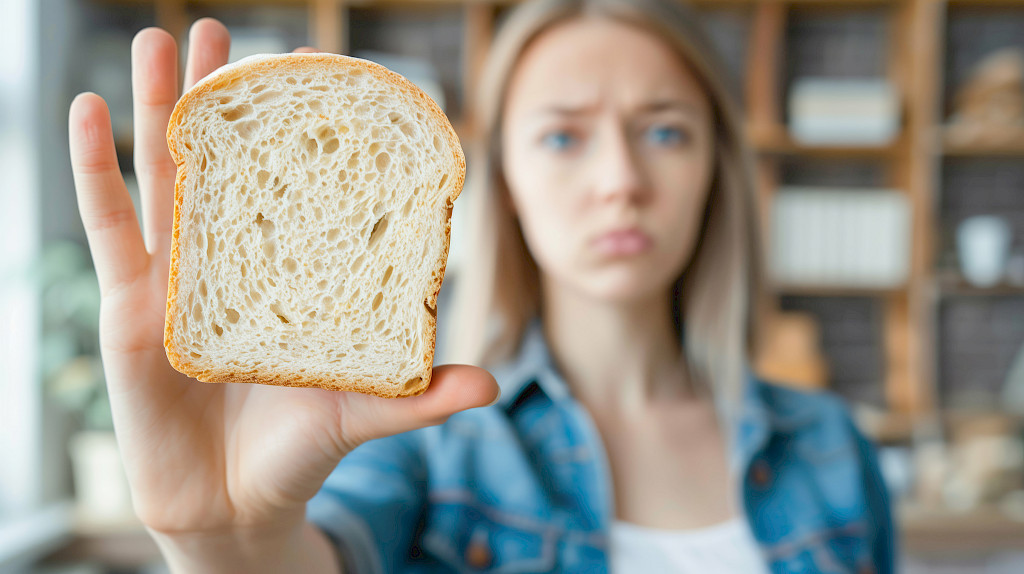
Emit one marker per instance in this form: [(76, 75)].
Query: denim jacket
[(524, 485)]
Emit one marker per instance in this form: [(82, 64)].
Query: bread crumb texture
[(311, 226)]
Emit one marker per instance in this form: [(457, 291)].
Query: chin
[(623, 286)]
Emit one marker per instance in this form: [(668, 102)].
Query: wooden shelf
[(952, 284), (891, 427), (778, 142), (1010, 143), (976, 3), (948, 533), (837, 291)]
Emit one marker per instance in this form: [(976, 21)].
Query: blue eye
[(559, 140), (665, 135)]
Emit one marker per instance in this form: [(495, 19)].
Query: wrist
[(287, 545)]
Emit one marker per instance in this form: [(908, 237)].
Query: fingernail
[(496, 399)]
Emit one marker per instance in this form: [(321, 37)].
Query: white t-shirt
[(725, 548)]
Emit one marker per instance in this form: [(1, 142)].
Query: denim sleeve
[(371, 504), (880, 515)]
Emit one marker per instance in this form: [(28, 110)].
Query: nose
[(618, 171)]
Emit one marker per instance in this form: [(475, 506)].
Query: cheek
[(544, 212), (546, 228), (682, 197)]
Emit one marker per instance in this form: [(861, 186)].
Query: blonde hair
[(497, 291)]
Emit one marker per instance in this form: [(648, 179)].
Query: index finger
[(106, 208)]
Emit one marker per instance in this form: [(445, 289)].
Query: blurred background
[(889, 138)]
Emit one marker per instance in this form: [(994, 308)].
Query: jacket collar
[(750, 428), (532, 363)]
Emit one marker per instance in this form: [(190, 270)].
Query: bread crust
[(253, 67)]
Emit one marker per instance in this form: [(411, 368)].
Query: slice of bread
[(312, 216)]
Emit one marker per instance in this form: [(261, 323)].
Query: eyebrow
[(650, 107), (667, 105)]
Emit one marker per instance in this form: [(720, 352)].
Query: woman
[(612, 297)]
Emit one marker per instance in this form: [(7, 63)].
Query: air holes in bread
[(360, 347), (378, 231), (383, 161), (217, 329), (412, 384), (265, 97), (311, 146), (377, 301), (266, 226), (387, 275), (444, 180), (276, 309), (237, 113), (247, 130), (232, 315), (291, 265)]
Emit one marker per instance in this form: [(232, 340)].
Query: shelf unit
[(914, 34), (913, 59)]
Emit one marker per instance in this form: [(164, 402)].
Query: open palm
[(204, 457)]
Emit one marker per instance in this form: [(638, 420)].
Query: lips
[(622, 242)]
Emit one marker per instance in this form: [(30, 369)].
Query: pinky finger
[(106, 208)]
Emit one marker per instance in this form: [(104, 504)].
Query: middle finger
[(154, 92)]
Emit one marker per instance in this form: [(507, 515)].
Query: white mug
[(983, 244)]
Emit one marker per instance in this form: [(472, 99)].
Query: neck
[(615, 355)]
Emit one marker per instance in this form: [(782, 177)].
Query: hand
[(207, 458)]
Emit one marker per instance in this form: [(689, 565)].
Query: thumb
[(453, 388)]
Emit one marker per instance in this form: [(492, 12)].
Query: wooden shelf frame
[(915, 64)]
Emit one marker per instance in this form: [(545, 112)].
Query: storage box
[(840, 237), (834, 111)]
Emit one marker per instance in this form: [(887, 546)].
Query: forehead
[(596, 59)]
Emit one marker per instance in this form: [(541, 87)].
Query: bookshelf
[(766, 44)]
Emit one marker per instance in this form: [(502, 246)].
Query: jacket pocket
[(472, 537)]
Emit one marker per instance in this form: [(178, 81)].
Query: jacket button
[(760, 473), (478, 556)]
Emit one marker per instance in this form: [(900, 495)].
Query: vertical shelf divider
[(328, 25)]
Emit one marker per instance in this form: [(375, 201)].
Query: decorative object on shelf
[(983, 244), (251, 41), (830, 237), (986, 461), (418, 71), (989, 107), (792, 353), (102, 496), (840, 111)]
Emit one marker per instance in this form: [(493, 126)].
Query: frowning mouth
[(622, 242)]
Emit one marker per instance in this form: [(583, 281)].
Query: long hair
[(497, 290)]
